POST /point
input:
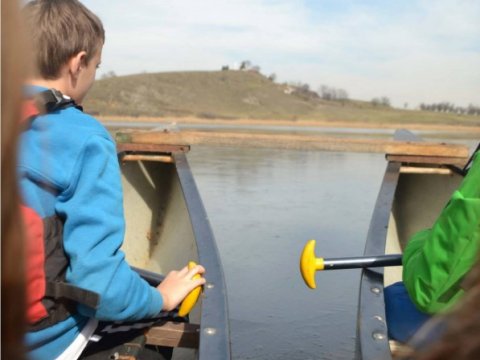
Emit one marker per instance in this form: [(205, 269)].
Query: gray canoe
[(166, 227), (413, 192)]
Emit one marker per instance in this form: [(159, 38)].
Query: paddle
[(309, 263), (151, 277), (190, 300)]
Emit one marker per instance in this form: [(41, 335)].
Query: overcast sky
[(411, 51)]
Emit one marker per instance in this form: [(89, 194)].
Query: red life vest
[(50, 299)]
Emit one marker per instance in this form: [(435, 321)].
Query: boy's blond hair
[(60, 29)]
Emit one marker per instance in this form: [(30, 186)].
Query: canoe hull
[(166, 227), (411, 197), (159, 235)]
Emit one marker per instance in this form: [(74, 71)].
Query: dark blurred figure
[(455, 335), (14, 70), (460, 339)]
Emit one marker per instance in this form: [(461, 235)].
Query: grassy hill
[(238, 95)]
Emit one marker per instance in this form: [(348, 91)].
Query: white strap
[(75, 349)]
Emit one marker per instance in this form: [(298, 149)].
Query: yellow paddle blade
[(309, 264), (191, 299)]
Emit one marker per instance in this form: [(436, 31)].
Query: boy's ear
[(76, 62)]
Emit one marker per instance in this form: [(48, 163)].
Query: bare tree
[(109, 74), (328, 93), (385, 101), (245, 65), (381, 101), (342, 94), (449, 107), (332, 93)]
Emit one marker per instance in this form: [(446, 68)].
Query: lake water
[(263, 205)]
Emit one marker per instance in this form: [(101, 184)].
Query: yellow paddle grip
[(309, 264), (191, 299)]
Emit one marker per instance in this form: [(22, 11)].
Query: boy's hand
[(178, 284)]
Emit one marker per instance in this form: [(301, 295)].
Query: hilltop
[(216, 94), (231, 95)]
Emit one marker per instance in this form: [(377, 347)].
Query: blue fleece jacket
[(68, 166)]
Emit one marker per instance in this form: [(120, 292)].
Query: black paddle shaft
[(152, 278), (362, 262)]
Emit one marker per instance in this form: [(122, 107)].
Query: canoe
[(413, 192), (166, 227)]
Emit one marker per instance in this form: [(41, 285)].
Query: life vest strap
[(46, 102), (57, 290), (51, 100)]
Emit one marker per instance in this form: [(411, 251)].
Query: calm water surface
[(263, 206)]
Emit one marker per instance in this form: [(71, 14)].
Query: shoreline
[(473, 128)]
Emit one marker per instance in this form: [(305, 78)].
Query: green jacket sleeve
[(436, 260)]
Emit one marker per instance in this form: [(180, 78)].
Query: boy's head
[(62, 30)]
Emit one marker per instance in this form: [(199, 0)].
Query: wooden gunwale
[(457, 153)]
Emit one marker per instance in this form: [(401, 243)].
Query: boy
[(69, 176)]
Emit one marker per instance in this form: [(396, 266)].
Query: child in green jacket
[(436, 260)]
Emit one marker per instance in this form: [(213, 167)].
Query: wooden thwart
[(298, 141), (425, 170), (420, 159), (157, 158), (174, 334), (125, 146)]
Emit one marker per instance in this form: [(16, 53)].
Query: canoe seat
[(132, 349), (173, 334)]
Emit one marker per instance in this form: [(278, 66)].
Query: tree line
[(448, 107)]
